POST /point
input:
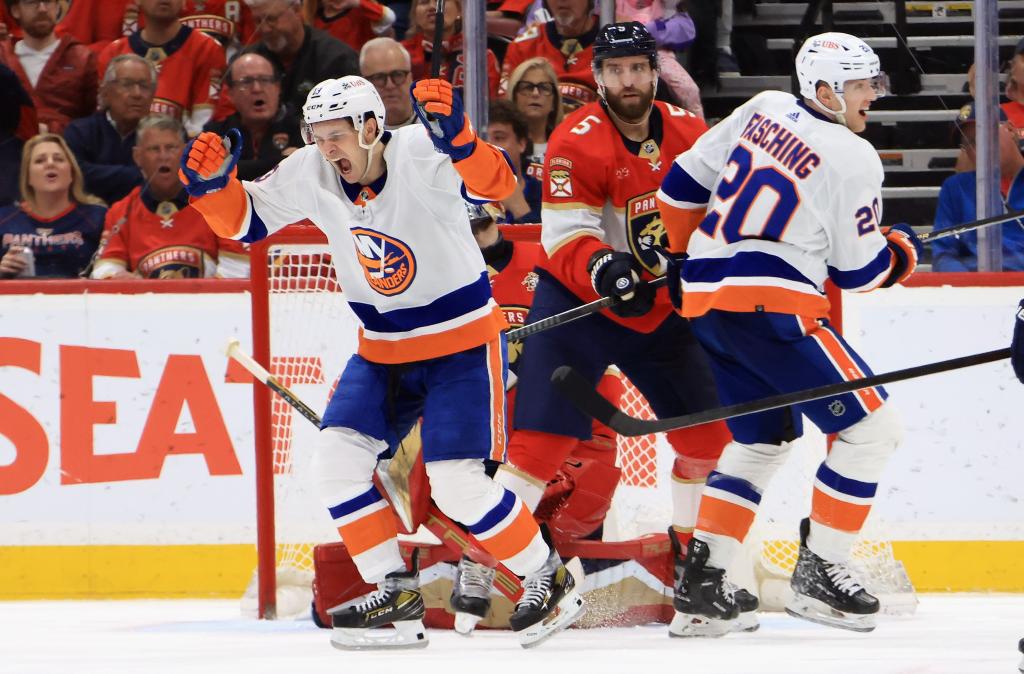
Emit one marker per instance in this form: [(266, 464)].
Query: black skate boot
[(745, 600), (549, 604), (396, 602), (471, 594), (704, 599), (1020, 647), (826, 593)]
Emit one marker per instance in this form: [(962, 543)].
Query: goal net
[(304, 332)]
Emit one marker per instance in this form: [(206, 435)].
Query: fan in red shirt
[(94, 23), (354, 22), (420, 45)]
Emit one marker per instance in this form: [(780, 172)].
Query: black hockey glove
[(672, 269), (1017, 345), (617, 274)]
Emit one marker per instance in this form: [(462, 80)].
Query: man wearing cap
[(958, 200)]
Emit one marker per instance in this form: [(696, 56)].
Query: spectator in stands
[(305, 55), (354, 22), (567, 43), (103, 141), (1014, 108), (420, 43), (190, 63), (533, 87), (57, 221), (507, 129), (958, 201), (253, 84), (154, 232), (505, 18), (59, 72), (386, 64), (18, 123), (81, 19)]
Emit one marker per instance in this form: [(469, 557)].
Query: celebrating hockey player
[(767, 205), (430, 343), (601, 232)]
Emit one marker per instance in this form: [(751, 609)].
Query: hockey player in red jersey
[(567, 42), (601, 233)]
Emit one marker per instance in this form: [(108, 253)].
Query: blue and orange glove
[(439, 108), (1017, 345), (906, 249), (209, 162)]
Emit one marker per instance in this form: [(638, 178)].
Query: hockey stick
[(435, 55), (450, 534), (968, 226), (583, 395), (571, 315)]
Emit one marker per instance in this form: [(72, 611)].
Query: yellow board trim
[(196, 571)]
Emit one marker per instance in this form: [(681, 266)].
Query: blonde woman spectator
[(56, 228), (533, 88)]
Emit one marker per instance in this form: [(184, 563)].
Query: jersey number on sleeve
[(736, 196)]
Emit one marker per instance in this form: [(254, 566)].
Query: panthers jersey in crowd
[(95, 23), (358, 25), (792, 199), (62, 245), (229, 22), (190, 66), (156, 239), (570, 57), (599, 192), (453, 67)]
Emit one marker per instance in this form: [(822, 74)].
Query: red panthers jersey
[(599, 193), (512, 287), (189, 66), (452, 66), (570, 57), (226, 21), (354, 27), (94, 23), (158, 239)]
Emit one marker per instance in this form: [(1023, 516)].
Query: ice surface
[(950, 633)]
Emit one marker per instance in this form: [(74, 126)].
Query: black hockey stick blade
[(586, 398)]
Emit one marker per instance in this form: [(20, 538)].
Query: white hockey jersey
[(402, 248), (792, 199)]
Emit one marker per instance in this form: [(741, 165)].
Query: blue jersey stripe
[(681, 186), (457, 303), (367, 498), (845, 485), (749, 263), (734, 485), (857, 278), (257, 228), (495, 514)]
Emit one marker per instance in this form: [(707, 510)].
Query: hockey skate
[(705, 600), (745, 600), (826, 593), (471, 594), (549, 604), (397, 602), (1020, 647)]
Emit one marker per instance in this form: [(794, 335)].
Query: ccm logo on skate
[(388, 264)]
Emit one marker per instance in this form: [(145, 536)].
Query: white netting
[(312, 332)]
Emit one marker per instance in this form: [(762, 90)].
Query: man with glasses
[(253, 84), (103, 142), (190, 63), (385, 62), (58, 72)]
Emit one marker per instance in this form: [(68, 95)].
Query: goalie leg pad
[(344, 461), (494, 515), (845, 484), (539, 454)]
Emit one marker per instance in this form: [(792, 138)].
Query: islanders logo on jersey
[(645, 230), (388, 264)]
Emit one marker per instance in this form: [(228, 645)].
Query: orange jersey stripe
[(423, 347), (224, 210), (495, 367), (749, 298), (514, 538), (487, 173), (832, 512), (717, 516), (369, 532), (850, 370), (680, 224)]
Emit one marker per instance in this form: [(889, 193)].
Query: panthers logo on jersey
[(645, 230), (388, 264)]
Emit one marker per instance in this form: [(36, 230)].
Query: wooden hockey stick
[(968, 226), (571, 315), (450, 534), (585, 397)]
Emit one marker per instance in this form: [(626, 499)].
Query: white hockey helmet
[(836, 58), (350, 97)]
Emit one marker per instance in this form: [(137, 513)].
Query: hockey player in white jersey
[(431, 342), (761, 211)]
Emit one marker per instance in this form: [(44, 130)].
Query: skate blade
[(465, 623), (686, 625), (815, 611), (568, 611), (403, 635), (747, 622)]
